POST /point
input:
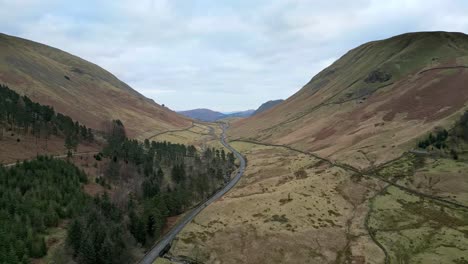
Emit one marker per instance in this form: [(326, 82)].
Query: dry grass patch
[(201, 135), (15, 147)]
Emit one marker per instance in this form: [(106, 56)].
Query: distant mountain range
[(208, 115), (203, 114)]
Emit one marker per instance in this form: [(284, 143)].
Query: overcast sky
[(223, 55)]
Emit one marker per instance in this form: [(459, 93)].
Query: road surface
[(153, 254)]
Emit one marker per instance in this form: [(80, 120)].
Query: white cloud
[(223, 55)]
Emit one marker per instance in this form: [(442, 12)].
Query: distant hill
[(203, 114), (80, 89), (208, 115), (266, 106), (245, 113)]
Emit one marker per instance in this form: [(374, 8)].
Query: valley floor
[(291, 207), (294, 207), (199, 134)]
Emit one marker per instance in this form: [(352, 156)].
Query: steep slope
[(267, 105), (79, 88), (370, 105), (203, 114)]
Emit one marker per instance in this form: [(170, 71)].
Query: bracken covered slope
[(371, 104), (80, 89)]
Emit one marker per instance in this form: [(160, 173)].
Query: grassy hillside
[(28, 129), (79, 88), (267, 105), (328, 179), (294, 207), (373, 102)]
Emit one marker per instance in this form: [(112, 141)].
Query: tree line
[(36, 195), (21, 115), (448, 141), (193, 176), (40, 194)]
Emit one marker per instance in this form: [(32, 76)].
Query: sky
[(222, 55)]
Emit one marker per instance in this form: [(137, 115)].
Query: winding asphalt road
[(153, 254)]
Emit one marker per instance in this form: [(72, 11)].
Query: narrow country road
[(153, 254)]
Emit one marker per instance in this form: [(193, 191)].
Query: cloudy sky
[(223, 55)]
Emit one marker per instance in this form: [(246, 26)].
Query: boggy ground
[(289, 207), (416, 229)]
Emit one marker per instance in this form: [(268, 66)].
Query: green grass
[(449, 72), (399, 56), (405, 166), (57, 252), (446, 165), (413, 230)]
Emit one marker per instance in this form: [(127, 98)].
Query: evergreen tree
[(87, 253), (75, 235), (105, 254), (23, 115), (38, 247)]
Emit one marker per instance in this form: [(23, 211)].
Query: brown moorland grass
[(273, 217), (340, 115), (80, 89), (28, 147)]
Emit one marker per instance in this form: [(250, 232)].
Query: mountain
[(80, 89), (208, 115), (245, 113), (267, 105), (329, 176), (373, 102), (203, 114)]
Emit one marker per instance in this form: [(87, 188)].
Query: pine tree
[(75, 235), (223, 155), (87, 253), (25, 259), (137, 228), (150, 225), (11, 256), (38, 248), (105, 254)]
